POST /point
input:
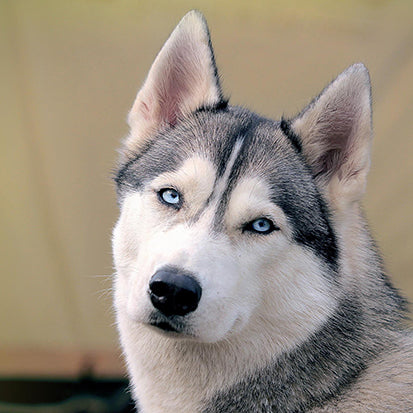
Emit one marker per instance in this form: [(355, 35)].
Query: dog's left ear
[(336, 132), (182, 79)]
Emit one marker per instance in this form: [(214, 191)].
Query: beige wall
[(68, 74)]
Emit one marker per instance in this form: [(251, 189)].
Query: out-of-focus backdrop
[(69, 71)]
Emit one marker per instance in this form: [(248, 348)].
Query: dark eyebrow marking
[(245, 133)]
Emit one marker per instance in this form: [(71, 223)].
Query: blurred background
[(69, 72)]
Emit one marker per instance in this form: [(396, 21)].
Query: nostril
[(186, 296), (160, 289), (188, 300), (174, 293)]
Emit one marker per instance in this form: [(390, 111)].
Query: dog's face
[(225, 218), (209, 199)]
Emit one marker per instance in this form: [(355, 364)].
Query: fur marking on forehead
[(222, 183)]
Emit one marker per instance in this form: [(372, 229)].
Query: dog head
[(226, 217)]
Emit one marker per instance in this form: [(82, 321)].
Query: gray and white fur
[(246, 277)]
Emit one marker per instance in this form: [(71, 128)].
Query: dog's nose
[(174, 293)]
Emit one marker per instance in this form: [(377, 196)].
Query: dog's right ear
[(182, 79)]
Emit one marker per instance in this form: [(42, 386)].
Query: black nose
[(174, 293)]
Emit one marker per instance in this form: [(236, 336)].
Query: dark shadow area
[(65, 396)]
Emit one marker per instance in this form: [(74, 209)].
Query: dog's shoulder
[(385, 386)]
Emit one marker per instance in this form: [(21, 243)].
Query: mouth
[(164, 325), (168, 325)]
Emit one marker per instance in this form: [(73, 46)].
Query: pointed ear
[(182, 79), (335, 132)]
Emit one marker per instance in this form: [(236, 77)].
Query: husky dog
[(246, 278)]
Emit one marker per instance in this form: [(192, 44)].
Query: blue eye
[(170, 196), (260, 226)]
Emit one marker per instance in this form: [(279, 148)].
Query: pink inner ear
[(183, 82), (336, 127), (338, 130), (171, 99), (181, 79)]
